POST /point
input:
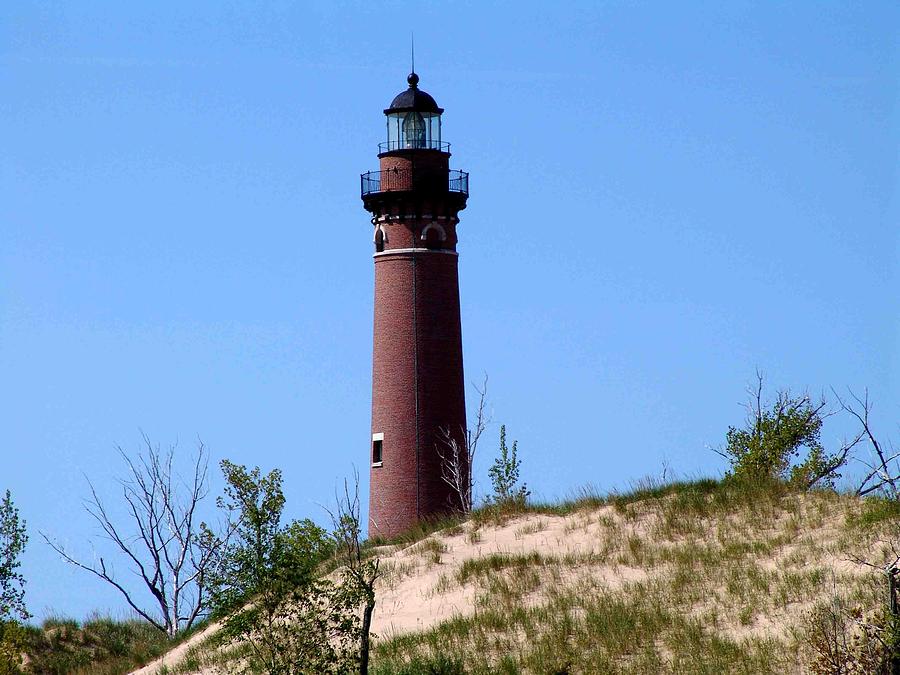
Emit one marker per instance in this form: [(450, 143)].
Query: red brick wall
[(417, 375), (398, 168), (421, 160), (441, 385)]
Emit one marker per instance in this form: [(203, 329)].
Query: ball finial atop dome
[(413, 98)]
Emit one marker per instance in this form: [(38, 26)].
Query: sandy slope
[(421, 587), (174, 656), (409, 596)]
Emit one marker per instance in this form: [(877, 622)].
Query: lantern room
[(413, 121)]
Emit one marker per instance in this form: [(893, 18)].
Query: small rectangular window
[(377, 441)]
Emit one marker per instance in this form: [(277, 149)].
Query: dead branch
[(884, 470), (838, 460)]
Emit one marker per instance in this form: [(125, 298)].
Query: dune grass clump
[(100, 645)]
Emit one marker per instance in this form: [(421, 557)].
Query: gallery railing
[(397, 180), (418, 144)]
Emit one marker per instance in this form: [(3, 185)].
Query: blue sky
[(664, 198)]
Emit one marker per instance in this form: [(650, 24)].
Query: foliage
[(256, 503), (12, 587), (12, 647), (265, 582), (782, 442), (12, 543), (308, 629), (504, 476)]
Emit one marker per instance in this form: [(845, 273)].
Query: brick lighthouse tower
[(417, 373)]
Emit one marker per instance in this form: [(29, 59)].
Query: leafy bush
[(265, 582), (782, 442), (262, 553), (12, 647)]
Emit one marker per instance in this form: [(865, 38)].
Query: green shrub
[(293, 619), (12, 647), (781, 442), (504, 474)]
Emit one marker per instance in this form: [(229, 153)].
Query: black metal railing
[(398, 180), (458, 182), (420, 144), (371, 182)]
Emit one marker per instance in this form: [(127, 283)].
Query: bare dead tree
[(458, 458), (361, 570), (884, 469), (165, 544)]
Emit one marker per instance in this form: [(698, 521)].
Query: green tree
[(781, 441), (504, 475), (13, 538), (265, 584), (12, 543)]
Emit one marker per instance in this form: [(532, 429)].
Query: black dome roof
[(413, 99)]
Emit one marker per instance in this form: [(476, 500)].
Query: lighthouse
[(418, 397)]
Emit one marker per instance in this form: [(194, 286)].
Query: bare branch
[(837, 460), (885, 468), (106, 576), (161, 538), (456, 452)]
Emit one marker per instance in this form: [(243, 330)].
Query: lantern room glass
[(413, 129)]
